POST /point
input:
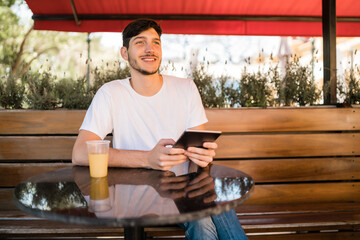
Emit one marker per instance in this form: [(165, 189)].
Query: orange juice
[(98, 164), (99, 188)]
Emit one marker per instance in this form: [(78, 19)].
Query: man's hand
[(164, 158), (181, 187), (202, 156), (171, 186), (202, 185)]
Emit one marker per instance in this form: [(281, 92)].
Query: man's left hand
[(202, 156)]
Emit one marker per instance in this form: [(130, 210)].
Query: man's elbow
[(79, 159)]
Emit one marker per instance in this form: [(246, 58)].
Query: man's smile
[(149, 58)]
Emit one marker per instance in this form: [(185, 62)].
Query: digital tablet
[(196, 138)]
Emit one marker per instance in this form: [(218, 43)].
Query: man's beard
[(135, 66)]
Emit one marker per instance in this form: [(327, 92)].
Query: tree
[(23, 48)]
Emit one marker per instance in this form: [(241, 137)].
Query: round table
[(133, 198)]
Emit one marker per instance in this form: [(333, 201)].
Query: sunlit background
[(65, 54)]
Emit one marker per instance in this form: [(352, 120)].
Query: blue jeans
[(225, 226)]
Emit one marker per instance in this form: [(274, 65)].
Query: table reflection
[(134, 195)]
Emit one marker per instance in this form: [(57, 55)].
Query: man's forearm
[(128, 158), (117, 158)]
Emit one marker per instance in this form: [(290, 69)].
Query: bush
[(352, 79), (103, 75), (229, 92), (259, 89), (11, 94), (255, 89), (298, 85), (215, 93), (41, 92), (206, 86), (275, 83), (73, 94)]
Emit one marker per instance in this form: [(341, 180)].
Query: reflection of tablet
[(196, 138)]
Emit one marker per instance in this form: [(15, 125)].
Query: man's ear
[(124, 53)]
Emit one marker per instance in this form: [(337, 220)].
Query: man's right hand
[(163, 158)]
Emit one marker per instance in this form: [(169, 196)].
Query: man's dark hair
[(138, 26)]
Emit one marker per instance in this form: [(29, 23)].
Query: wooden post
[(329, 49)]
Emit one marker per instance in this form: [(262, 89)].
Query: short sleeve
[(98, 118), (196, 109)]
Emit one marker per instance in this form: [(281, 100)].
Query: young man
[(146, 113)]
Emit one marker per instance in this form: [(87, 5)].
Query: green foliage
[(11, 93), (298, 85), (41, 92), (222, 92), (103, 75), (45, 92), (275, 83), (229, 92), (7, 3), (73, 94), (352, 79), (206, 87), (51, 195), (9, 31), (21, 48), (259, 89), (254, 89)]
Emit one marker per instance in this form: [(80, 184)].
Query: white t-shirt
[(131, 201), (138, 122)]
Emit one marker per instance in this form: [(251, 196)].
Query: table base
[(134, 233)]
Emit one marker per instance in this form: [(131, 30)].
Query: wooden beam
[(60, 17), (329, 49)]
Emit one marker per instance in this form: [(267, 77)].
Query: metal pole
[(329, 48), (88, 62)]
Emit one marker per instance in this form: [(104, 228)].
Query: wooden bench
[(305, 163)]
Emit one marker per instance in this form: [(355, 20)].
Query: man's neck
[(146, 85)]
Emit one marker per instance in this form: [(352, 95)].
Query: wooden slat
[(41, 122), (6, 202), (283, 119), (13, 174), (36, 148), (267, 209), (288, 145), (230, 146), (44, 228), (301, 222), (226, 120), (251, 224), (302, 169), (308, 193)]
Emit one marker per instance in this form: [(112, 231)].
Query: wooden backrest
[(272, 145), (247, 133), (281, 133), (303, 159)]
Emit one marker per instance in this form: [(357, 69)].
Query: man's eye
[(157, 43), (139, 42)]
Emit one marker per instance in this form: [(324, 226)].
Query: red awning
[(224, 17)]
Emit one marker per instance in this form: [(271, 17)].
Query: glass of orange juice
[(98, 154), (99, 195)]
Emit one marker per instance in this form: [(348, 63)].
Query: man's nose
[(149, 48)]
